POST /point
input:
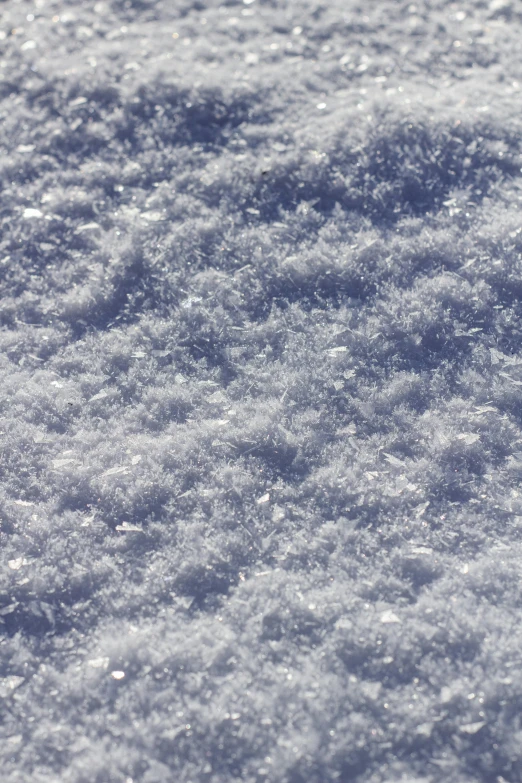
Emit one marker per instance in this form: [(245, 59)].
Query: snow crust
[(261, 377)]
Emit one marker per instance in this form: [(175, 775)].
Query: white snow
[(261, 370)]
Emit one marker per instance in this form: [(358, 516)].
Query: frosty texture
[(261, 378)]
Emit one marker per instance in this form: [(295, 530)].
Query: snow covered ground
[(261, 391)]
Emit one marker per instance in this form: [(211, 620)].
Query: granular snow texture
[(261, 391)]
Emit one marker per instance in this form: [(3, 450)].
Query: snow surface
[(261, 386)]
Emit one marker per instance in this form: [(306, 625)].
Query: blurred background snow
[(260, 410)]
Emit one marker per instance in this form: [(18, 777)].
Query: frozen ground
[(261, 386)]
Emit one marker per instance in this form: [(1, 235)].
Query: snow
[(260, 421)]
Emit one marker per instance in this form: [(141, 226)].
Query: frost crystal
[(389, 617)]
